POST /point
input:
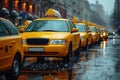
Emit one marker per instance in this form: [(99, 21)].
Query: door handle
[(1, 48), (12, 42)]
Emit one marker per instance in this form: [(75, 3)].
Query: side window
[(10, 27), (71, 25), (3, 31), (86, 28)]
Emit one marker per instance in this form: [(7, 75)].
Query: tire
[(68, 58), (15, 70), (77, 54), (86, 46), (70, 75)]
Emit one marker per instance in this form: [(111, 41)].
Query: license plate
[(49, 58), (36, 49)]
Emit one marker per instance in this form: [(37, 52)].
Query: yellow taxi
[(103, 33), (85, 40), (98, 33), (94, 31), (25, 25), (11, 50), (51, 36), (88, 31), (106, 33)]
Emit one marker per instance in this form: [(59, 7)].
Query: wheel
[(86, 46), (15, 70), (77, 53), (68, 58), (70, 74)]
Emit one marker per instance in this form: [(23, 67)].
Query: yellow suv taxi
[(11, 50), (103, 33), (94, 32), (86, 38), (51, 36)]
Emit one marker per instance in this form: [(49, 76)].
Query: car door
[(76, 37), (4, 47), (89, 35), (13, 38)]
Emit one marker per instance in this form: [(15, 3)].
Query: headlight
[(24, 41), (104, 34), (82, 37), (101, 35), (94, 35), (57, 41)]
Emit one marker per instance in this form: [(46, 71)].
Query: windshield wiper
[(50, 30), (31, 31)]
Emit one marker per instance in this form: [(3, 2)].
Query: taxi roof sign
[(83, 21), (75, 20), (89, 23), (52, 13)]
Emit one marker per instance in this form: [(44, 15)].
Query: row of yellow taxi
[(47, 37), (90, 33)]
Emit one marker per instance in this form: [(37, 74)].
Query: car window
[(10, 27), (92, 29), (71, 25), (48, 25), (3, 30), (81, 28)]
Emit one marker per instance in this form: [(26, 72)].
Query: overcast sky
[(107, 4)]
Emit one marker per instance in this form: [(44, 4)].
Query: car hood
[(50, 35), (82, 33)]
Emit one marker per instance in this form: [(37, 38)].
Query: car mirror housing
[(74, 30), (21, 30), (89, 31)]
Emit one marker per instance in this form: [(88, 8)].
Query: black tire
[(70, 74), (77, 54), (68, 58), (86, 46), (15, 70)]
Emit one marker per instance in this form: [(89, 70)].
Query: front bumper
[(83, 42), (48, 51)]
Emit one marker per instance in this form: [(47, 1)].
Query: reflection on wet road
[(100, 62)]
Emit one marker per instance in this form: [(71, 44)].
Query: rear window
[(48, 25)]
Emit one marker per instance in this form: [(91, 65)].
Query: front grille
[(37, 41)]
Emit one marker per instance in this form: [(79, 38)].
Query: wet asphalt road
[(100, 62)]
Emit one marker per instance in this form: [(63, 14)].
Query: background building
[(30, 9), (116, 17)]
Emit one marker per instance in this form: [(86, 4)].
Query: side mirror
[(74, 30), (21, 29), (89, 31)]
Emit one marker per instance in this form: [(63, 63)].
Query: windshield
[(81, 28), (48, 25), (92, 29)]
